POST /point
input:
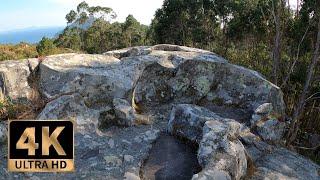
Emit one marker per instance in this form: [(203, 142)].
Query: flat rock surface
[(284, 164)]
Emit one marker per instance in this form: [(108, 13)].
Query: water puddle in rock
[(171, 158)]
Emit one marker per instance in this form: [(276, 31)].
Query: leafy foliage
[(101, 35), (46, 47)]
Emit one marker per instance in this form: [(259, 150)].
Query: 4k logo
[(41, 146)]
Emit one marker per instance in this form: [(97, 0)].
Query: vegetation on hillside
[(24, 50), (19, 51), (102, 35)]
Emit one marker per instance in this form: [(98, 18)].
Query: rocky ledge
[(126, 102)]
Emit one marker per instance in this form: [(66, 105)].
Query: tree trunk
[(276, 54), (285, 81), (295, 124), (298, 4)]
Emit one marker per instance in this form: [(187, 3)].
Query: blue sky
[(18, 14)]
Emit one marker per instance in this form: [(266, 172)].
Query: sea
[(29, 35)]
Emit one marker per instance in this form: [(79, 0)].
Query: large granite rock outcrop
[(101, 77), (274, 162), (122, 100), (72, 107), (220, 150), (211, 84), (187, 121), (229, 150), (14, 79)]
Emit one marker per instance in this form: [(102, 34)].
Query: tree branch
[(296, 59), (295, 124)]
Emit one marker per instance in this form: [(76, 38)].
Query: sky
[(19, 14)]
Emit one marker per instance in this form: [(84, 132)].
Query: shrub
[(46, 47)]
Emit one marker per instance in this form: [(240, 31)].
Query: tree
[(84, 12), (83, 18), (71, 16), (133, 32), (90, 30), (79, 21), (46, 47), (82, 7), (185, 22), (96, 40), (170, 22), (103, 36), (69, 38), (296, 122), (276, 56), (102, 12)]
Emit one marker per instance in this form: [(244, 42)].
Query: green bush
[(46, 47)]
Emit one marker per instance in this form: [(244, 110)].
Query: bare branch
[(296, 59), (295, 124), (312, 96), (306, 148)]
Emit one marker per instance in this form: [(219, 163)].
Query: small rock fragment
[(271, 130), (128, 158), (3, 132), (124, 112), (111, 143), (131, 176), (113, 160), (187, 120)]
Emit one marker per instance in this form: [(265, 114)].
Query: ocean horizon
[(30, 35)]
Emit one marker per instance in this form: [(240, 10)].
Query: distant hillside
[(29, 35)]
